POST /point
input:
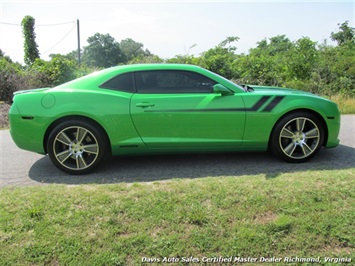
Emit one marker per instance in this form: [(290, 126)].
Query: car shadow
[(166, 167)]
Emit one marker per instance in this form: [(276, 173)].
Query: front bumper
[(333, 132)]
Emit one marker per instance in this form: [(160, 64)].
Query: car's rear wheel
[(297, 137), (77, 147)]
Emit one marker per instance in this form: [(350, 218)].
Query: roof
[(97, 78)]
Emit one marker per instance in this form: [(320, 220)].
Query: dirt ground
[(4, 111)]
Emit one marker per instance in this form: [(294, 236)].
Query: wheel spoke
[(290, 149), (287, 133), (80, 162), (306, 149), (63, 138), (81, 134), (300, 122), (91, 148), (63, 156), (313, 133)]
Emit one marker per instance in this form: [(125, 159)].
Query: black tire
[(297, 137), (77, 147)]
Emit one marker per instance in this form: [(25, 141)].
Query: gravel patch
[(4, 117)]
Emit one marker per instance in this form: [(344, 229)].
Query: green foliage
[(150, 59), (3, 56), (30, 45), (256, 68), (220, 59), (279, 44), (302, 58), (132, 49), (41, 74), (54, 72), (265, 64), (302, 64), (345, 35), (10, 77), (103, 51), (229, 40), (184, 59)]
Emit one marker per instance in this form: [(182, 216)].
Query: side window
[(122, 82), (172, 81)]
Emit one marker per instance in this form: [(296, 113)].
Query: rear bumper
[(26, 132)]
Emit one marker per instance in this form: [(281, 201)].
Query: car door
[(174, 108)]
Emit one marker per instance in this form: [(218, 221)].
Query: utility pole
[(78, 30)]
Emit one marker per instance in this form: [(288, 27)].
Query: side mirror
[(219, 88)]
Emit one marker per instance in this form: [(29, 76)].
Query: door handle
[(145, 104)]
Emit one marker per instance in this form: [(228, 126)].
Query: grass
[(346, 104), (304, 214)]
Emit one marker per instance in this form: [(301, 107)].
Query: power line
[(76, 24), (11, 24), (40, 25), (56, 24), (60, 40)]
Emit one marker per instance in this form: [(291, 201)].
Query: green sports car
[(167, 108)]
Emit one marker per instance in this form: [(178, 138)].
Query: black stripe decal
[(273, 103), (260, 103), (254, 108), (198, 110)]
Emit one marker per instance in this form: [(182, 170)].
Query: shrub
[(10, 79)]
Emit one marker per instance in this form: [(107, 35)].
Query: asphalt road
[(22, 168)]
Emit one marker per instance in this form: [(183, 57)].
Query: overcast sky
[(168, 28)]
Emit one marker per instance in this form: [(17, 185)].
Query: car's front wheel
[(77, 147), (297, 137)]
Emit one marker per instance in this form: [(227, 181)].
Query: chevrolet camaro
[(168, 108)]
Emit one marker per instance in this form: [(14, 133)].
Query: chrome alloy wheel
[(75, 148), (299, 138)]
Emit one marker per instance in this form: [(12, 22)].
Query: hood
[(278, 90)]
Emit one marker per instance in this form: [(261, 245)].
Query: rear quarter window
[(123, 82)]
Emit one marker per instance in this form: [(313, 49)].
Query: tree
[(185, 58), (30, 45), (220, 59), (132, 49), (150, 59), (345, 35), (279, 44), (266, 64), (7, 58), (103, 51), (229, 40), (54, 72), (302, 59), (11, 79)]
